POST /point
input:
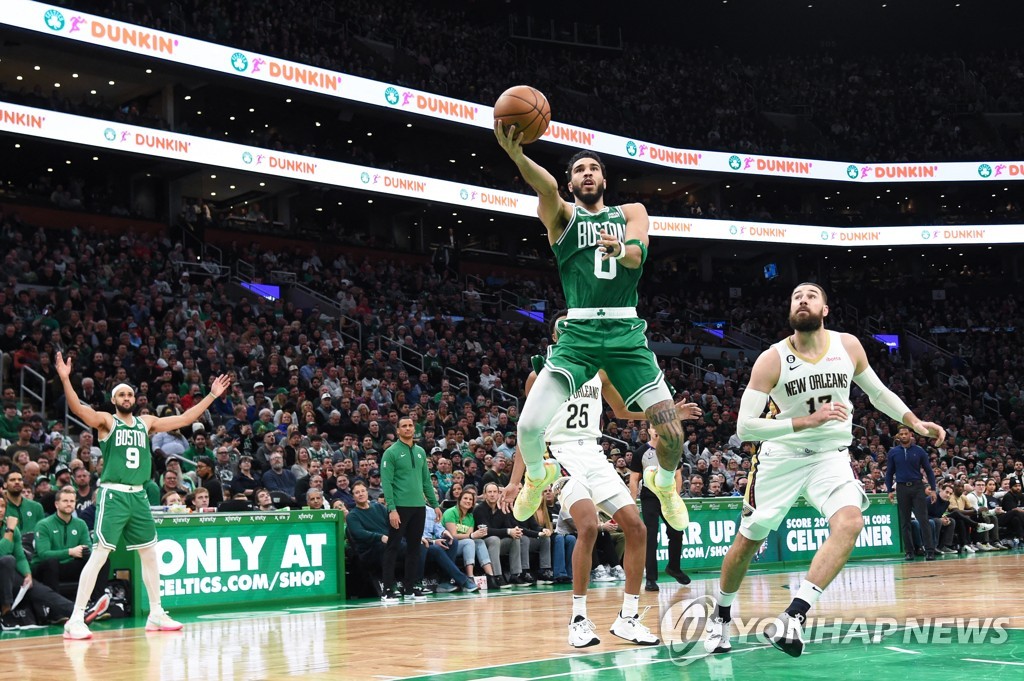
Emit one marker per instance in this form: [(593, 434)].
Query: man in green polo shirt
[(62, 548), (406, 484), (27, 511)]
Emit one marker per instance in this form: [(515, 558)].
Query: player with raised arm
[(805, 381), (572, 437), (600, 251), (122, 505)]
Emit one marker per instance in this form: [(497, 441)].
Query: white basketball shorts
[(592, 477), (779, 474)]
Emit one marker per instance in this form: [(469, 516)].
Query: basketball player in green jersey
[(122, 505), (600, 251)]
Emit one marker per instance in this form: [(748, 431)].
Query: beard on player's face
[(806, 323), (588, 196), (122, 410)]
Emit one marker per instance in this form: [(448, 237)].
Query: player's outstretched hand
[(508, 497), (929, 429), (220, 385), (63, 368), (511, 141), (687, 411)]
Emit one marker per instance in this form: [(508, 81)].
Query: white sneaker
[(599, 574), (77, 629), (786, 634), (717, 639), (607, 574), (970, 549), (985, 527), (162, 622), (583, 633), (630, 629), (619, 573)]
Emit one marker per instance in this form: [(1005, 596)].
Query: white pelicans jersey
[(805, 386), (579, 417)]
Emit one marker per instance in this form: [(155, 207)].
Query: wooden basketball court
[(519, 635)]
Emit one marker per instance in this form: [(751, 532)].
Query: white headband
[(118, 387)]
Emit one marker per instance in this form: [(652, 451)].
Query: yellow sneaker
[(532, 493), (673, 508)]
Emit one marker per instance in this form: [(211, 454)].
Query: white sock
[(579, 607), (664, 478), (726, 599), (630, 605), (808, 592)]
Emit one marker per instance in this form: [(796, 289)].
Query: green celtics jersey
[(587, 280), (126, 455)]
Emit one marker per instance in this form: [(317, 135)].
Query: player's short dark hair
[(824, 296), (554, 320), (584, 154), (902, 426)]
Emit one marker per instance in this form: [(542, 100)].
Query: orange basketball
[(525, 107)]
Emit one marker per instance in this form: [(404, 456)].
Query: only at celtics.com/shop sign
[(228, 559)]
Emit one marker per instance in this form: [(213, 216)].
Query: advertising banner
[(209, 560), (55, 125), (713, 527), (239, 63), (804, 531), (715, 522)]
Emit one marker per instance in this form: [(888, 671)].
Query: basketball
[(525, 107)]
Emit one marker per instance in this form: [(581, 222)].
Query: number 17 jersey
[(127, 459), (805, 387)]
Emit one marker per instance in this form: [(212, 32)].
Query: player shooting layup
[(123, 508), (600, 252), (805, 379)]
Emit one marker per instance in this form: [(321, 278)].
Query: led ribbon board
[(237, 63), (113, 136)]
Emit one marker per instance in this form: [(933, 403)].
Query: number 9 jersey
[(127, 459), (808, 384)]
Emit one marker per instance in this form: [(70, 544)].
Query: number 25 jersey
[(579, 417), (805, 387)]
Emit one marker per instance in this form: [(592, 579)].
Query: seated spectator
[(199, 501), (44, 604), (279, 479), (462, 526), (343, 492), (62, 546), (315, 499), (441, 550), (20, 505), (504, 537), (264, 502), (207, 478), (244, 482)]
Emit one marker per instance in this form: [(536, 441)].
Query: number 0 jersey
[(587, 280), (127, 459), (804, 387), (579, 417)]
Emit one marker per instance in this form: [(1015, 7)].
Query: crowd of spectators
[(316, 400)]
